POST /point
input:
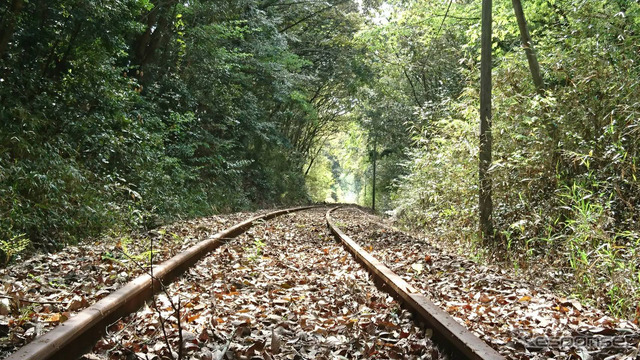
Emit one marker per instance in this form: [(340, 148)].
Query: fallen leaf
[(76, 303), (54, 317), (417, 267), (275, 342)]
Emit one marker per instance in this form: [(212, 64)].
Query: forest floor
[(286, 289), (506, 308)]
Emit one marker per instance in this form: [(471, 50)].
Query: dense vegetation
[(565, 154), (128, 113)]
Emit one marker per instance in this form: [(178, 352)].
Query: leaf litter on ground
[(287, 290), (520, 319), (41, 292), (283, 290)]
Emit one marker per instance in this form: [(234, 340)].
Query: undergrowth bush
[(565, 170)]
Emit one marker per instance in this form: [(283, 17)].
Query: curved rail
[(77, 335), (445, 328)]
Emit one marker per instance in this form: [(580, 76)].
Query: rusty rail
[(445, 328), (77, 336)]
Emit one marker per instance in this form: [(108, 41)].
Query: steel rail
[(77, 335), (445, 328)]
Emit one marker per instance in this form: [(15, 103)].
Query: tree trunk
[(158, 21), (413, 89), (313, 159), (7, 30), (373, 188), (142, 42), (484, 178), (534, 66), (155, 40), (62, 62)]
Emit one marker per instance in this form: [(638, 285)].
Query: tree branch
[(311, 16)]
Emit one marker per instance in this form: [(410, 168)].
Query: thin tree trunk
[(143, 41), (484, 178), (413, 89), (306, 173), (62, 62), (373, 185), (534, 66), (7, 30), (365, 194), (313, 159), (155, 40)]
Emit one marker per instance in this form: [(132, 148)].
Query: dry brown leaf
[(275, 342)]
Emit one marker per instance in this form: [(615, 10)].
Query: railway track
[(462, 341), (79, 334)]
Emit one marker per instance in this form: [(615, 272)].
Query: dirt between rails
[(39, 293), (520, 320), (283, 290)]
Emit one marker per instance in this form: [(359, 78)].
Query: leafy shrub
[(565, 162)]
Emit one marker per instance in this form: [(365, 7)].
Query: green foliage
[(320, 179), (339, 172), (402, 99), (13, 247), (256, 249), (441, 176), (125, 114), (565, 162)]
